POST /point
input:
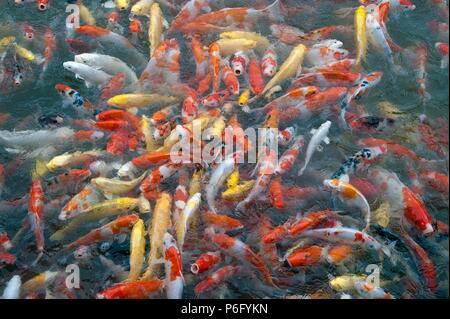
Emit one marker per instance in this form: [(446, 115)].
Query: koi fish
[(241, 251), (205, 262), (173, 268), (319, 135), (217, 278), (142, 289), (269, 63), (360, 34), (402, 199), (351, 196), (121, 225)]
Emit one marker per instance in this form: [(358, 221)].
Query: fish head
[(42, 5), (168, 241), (406, 5)]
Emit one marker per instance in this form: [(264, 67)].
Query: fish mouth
[(42, 7), (428, 229)]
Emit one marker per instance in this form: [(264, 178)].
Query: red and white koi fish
[(5, 243), (269, 62), (292, 98), (188, 13), (231, 16), (43, 4), (423, 262), (402, 199), (205, 262), (143, 162), (214, 58), (200, 58), (156, 177), (319, 55), (359, 90), (142, 289), (442, 49), (217, 278), (236, 248), (230, 79), (121, 225), (313, 255), (173, 268), (36, 212), (286, 136), (309, 221), (326, 79), (388, 146), (314, 104), (288, 158), (181, 195), (239, 63), (347, 236), (189, 109), (341, 65), (215, 100)]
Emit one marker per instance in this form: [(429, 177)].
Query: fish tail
[(275, 11)]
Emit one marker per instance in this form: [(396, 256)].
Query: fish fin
[(122, 238), (133, 110), (144, 204), (165, 25), (40, 168), (14, 150), (158, 261), (319, 148), (326, 140), (344, 178), (108, 195), (344, 12), (274, 11), (313, 131), (387, 250)]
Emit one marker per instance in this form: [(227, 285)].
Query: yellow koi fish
[(137, 100), (290, 67), (360, 35), (159, 225), (137, 250)]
